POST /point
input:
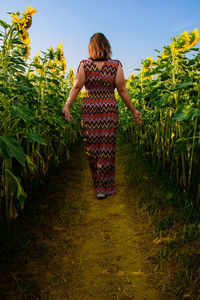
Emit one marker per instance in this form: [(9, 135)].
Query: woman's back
[(100, 76)]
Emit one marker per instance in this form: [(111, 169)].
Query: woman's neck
[(99, 59)]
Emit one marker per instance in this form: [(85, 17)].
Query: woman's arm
[(78, 84), (121, 88)]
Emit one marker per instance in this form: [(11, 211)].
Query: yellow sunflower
[(24, 36), (51, 53), (50, 63), (132, 76), (166, 52), (27, 21), (60, 46), (182, 41), (147, 64), (26, 52), (59, 52), (71, 75), (29, 11), (38, 58), (63, 66), (55, 63), (16, 20), (180, 44), (193, 38)]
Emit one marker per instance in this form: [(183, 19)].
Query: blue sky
[(134, 27)]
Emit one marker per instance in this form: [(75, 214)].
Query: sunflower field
[(34, 136), (167, 92)]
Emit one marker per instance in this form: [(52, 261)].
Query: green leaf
[(182, 85), (163, 101), (25, 88), (180, 146), (16, 187), (21, 68), (10, 148), (18, 60), (187, 112), (193, 112), (16, 41), (37, 66), (22, 112), (35, 137), (58, 121), (57, 82), (181, 113), (4, 90), (194, 49), (180, 116), (4, 77), (4, 24), (31, 165)]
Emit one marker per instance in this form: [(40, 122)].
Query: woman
[(99, 110)]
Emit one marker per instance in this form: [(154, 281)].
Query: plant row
[(167, 92), (34, 136)]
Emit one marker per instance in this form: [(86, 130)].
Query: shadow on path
[(80, 248)]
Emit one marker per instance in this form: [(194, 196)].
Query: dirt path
[(100, 253), (110, 254)]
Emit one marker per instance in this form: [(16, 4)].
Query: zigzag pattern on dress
[(99, 122)]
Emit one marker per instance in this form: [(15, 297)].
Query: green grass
[(170, 214)]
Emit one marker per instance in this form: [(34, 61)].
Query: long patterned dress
[(99, 121)]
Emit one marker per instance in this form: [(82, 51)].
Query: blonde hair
[(99, 47)]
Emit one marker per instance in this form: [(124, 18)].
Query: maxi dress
[(99, 122)]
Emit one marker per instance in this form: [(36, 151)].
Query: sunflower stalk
[(192, 152)]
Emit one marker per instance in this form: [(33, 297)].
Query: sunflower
[(166, 52), (29, 11), (38, 58), (181, 43), (71, 75), (55, 62), (26, 21), (63, 66), (51, 53), (132, 76), (24, 36), (31, 74), (16, 20), (26, 52), (49, 63), (60, 46), (147, 64), (193, 38), (59, 52)]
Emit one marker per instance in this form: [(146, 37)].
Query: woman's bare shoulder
[(85, 61), (117, 62)]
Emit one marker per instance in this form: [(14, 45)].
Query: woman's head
[(99, 47)]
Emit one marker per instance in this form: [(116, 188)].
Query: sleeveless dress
[(99, 123)]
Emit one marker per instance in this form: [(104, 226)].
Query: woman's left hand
[(67, 113)]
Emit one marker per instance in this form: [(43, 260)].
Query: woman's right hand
[(137, 117)]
